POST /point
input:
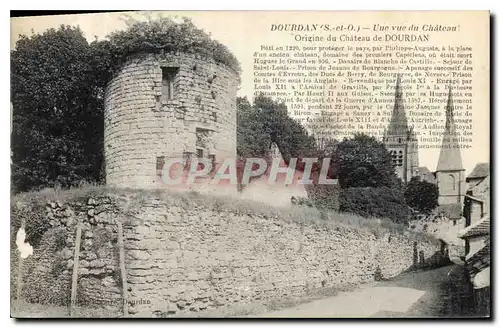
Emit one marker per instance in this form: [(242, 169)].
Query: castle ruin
[(165, 106)]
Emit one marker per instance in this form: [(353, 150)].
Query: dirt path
[(433, 293)]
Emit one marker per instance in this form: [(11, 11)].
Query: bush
[(57, 111), (37, 222), (380, 202), (155, 36), (324, 196), (365, 162), (421, 195)]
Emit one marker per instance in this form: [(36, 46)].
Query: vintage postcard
[(241, 164)]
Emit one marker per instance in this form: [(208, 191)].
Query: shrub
[(155, 36), (375, 202), (365, 162), (324, 196), (421, 195)]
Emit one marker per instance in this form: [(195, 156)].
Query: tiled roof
[(480, 228), (481, 170), (476, 261), (451, 211)]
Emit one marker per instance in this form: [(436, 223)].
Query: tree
[(57, 128), (421, 195), (381, 202), (363, 161), (268, 121), (252, 138)]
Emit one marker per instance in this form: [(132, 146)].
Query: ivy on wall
[(154, 36)]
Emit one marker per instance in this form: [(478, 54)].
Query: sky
[(244, 32)]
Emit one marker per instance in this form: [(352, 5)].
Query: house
[(425, 174), (478, 262), (478, 174), (477, 235)]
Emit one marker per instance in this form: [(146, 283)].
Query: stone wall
[(187, 255), (47, 273), (142, 125)]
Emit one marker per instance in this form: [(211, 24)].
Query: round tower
[(166, 106)]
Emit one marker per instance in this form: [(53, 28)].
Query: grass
[(133, 199), (25, 310), (300, 214)]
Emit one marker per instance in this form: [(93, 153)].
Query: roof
[(398, 125), (481, 170), (474, 198), (423, 170), (480, 228), (451, 211), (424, 173), (450, 158), (478, 259)]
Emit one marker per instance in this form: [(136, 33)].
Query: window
[(160, 162), (400, 158), (199, 154), (452, 182), (397, 157), (167, 82)]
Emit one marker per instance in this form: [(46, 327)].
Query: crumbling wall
[(142, 126), (195, 258), (187, 255), (46, 275)]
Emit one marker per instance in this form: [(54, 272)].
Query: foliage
[(57, 128), (421, 195), (58, 83), (137, 198), (35, 216), (363, 161), (252, 141), (155, 36), (268, 121), (381, 202), (324, 196)]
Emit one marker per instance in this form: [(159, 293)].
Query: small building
[(478, 174), (477, 236), (425, 174), (478, 262)]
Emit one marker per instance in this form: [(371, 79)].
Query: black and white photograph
[(250, 164)]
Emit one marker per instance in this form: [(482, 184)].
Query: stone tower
[(400, 139), (161, 107), (450, 171)]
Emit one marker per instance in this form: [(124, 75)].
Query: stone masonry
[(161, 106), (185, 255)]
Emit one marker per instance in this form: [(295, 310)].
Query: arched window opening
[(452, 182)]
